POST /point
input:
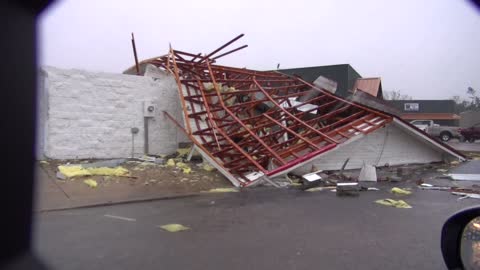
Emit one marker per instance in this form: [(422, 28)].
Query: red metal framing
[(255, 127)]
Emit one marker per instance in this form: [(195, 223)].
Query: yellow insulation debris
[(174, 227), (171, 163), (91, 183), (207, 167), (73, 171), (210, 86), (394, 203), (183, 151), (400, 191), (185, 168), (297, 185), (230, 101)]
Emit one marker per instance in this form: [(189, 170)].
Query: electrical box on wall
[(149, 108)]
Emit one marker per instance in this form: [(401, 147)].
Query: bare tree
[(457, 99), (463, 104), (395, 95), (472, 94)]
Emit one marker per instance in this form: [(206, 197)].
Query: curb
[(110, 203)]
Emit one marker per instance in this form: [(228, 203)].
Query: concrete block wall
[(390, 144), (90, 115)]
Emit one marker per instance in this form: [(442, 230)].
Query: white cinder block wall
[(90, 115), (390, 145)]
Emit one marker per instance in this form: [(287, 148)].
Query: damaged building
[(251, 125)]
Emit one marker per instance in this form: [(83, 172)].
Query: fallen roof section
[(251, 121), (253, 125)]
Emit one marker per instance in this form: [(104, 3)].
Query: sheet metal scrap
[(252, 124)]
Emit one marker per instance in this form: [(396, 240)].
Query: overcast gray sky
[(428, 49)]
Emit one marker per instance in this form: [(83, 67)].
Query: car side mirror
[(460, 241)]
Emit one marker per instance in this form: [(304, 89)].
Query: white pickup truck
[(443, 132)]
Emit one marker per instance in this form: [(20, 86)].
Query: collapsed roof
[(255, 125)]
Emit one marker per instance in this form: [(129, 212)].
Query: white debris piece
[(254, 175), (303, 108), (368, 173), (466, 195), (464, 177), (311, 177)]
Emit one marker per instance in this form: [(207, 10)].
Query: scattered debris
[(315, 189), (79, 170), (473, 190), (368, 173), (91, 183), (112, 163), (207, 167), (466, 195), (434, 188), (222, 190), (442, 170), (43, 162), (400, 191), (311, 180), (159, 161), (394, 203), (185, 168), (174, 227), (254, 176), (60, 176), (119, 217), (312, 177), (293, 184), (151, 178), (141, 166), (183, 152), (347, 189), (426, 185), (373, 189), (147, 158), (464, 177), (455, 162)]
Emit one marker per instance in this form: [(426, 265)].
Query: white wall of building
[(389, 144), (90, 115)]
